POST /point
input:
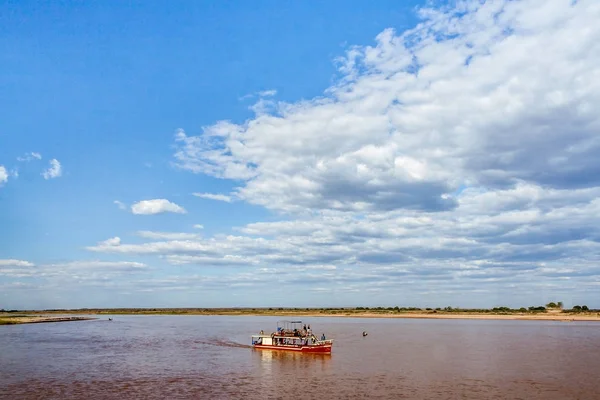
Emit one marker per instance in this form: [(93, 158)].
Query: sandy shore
[(7, 319), (534, 317), (287, 314)]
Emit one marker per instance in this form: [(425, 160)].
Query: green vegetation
[(578, 309)]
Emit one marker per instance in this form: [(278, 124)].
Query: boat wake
[(223, 343)]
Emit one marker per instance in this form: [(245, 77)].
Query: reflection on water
[(290, 363), (267, 355), (157, 357)]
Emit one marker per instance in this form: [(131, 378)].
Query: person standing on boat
[(323, 337)]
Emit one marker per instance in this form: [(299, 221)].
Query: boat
[(292, 336)]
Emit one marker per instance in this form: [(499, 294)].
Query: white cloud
[(16, 268), (121, 205), (456, 157), (3, 175), (15, 263), (30, 156), (211, 196), (469, 97), (115, 241), (267, 93), (83, 265), (198, 226), (55, 276), (226, 260), (167, 235), (156, 206), (264, 93), (54, 170), (454, 162)]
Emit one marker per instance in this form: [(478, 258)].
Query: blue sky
[(299, 153)]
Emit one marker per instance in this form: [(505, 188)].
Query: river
[(172, 357)]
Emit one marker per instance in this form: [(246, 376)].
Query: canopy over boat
[(292, 336)]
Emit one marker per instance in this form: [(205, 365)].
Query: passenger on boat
[(323, 337)]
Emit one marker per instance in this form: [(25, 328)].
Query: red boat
[(292, 336)]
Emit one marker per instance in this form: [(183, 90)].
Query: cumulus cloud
[(156, 206), (198, 226), (459, 156), (3, 175), (212, 196), (53, 171), (456, 160), (471, 96)]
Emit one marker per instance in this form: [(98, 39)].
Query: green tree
[(551, 305), (560, 304), (584, 308)]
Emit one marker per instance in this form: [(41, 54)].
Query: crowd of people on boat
[(297, 341), (289, 337), (304, 332)]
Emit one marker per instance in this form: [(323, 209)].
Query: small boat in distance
[(292, 336)]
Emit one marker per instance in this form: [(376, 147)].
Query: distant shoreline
[(31, 316), (7, 319)]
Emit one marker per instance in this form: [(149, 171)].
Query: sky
[(299, 154)]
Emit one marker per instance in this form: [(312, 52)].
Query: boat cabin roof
[(289, 325)]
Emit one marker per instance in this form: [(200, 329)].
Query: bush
[(540, 308)]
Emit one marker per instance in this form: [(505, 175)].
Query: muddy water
[(158, 357)]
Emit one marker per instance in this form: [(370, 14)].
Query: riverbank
[(7, 319), (551, 315)]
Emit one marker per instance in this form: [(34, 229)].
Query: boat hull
[(323, 349)]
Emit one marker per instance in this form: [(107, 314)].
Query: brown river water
[(209, 357)]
